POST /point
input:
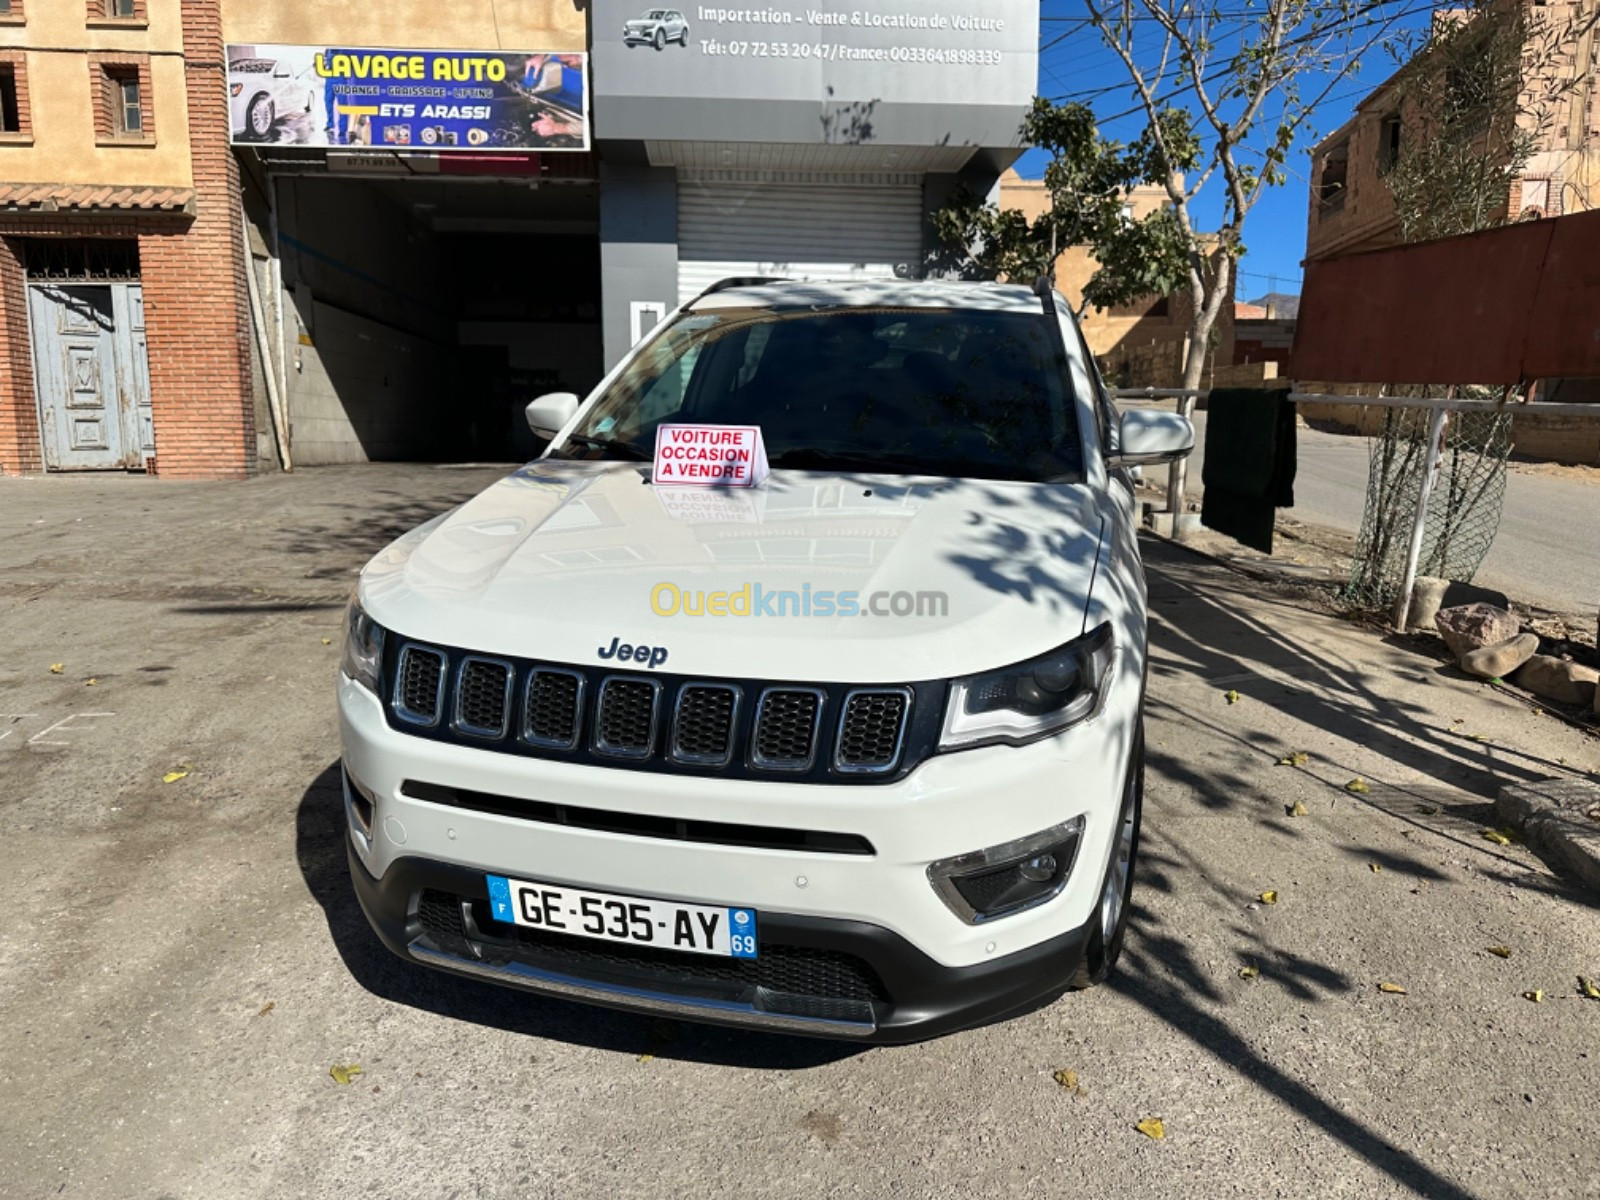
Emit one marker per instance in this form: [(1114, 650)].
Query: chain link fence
[(1463, 510)]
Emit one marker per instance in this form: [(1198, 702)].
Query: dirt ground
[(184, 961)]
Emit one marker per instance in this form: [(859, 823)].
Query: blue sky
[(1079, 66)]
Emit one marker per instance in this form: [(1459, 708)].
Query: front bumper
[(436, 914)]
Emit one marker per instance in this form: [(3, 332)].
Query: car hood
[(557, 560), (641, 23)]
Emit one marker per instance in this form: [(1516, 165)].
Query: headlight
[(363, 647), (1028, 701)]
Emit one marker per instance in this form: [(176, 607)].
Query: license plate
[(730, 932)]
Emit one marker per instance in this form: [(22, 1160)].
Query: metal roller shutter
[(795, 229)]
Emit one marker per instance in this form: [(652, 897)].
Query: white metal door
[(800, 230)]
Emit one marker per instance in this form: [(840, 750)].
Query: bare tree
[(1226, 87)]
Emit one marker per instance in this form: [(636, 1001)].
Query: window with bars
[(69, 260)]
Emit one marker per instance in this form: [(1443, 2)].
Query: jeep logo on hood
[(647, 656)]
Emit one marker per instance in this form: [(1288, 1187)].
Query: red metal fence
[(1517, 303)]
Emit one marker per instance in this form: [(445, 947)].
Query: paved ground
[(1546, 551), (183, 962)]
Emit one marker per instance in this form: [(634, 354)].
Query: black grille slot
[(702, 729), (553, 708), (811, 976), (870, 730), (786, 729), (419, 696), (719, 833), (625, 722), (483, 698)]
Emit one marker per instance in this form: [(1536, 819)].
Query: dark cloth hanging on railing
[(1250, 465)]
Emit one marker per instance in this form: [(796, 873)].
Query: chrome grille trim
[(533, 739), (401, 708), (731, 730), (459, 723), (875, 768), (757, 759), (599, 742)]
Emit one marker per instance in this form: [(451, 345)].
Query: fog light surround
[(360, 805), (1010, 878)]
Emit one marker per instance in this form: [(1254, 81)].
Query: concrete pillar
[(638, 248)]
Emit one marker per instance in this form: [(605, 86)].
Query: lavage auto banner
[(408, 100)]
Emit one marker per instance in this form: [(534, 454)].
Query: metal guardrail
[(1439, 407)]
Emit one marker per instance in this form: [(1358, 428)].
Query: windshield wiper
[(626, 451), (811, 459)]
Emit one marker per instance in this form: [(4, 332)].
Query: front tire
[(661, 39), (260, 117), (1110, 925)]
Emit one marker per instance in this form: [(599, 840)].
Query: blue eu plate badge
[(742, 923), (500, 898)]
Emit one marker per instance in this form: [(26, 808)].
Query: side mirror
[(549, 413), (1150, 437), (281, 71)]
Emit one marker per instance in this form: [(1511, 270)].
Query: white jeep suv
[(855, 752)]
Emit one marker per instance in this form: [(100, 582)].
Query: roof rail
[(736, 281)]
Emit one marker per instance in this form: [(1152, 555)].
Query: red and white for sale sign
[(710, 456)]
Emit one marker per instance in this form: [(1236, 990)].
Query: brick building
[(1352, 207), (1143, 344), (237, 229)]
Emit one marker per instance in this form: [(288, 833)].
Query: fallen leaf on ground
[(1394, 989), (174, 776), (1427, 810), (1298, 759), (327, 641), (1357, 785), (1231, 696), (90, 682), (1495, 836), (1269, 897), (646, 1056), (1153, 1128), (1500, 951), (267, 1007), (344, 1072), (1586, 987), (57, 668), (1537, 995), (1296, 809), (1475, 737), (1068, 1079), (1374, 868), (1249, 972)]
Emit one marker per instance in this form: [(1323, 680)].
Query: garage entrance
[(422, 315)]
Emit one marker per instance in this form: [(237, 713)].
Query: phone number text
[(833, 52)]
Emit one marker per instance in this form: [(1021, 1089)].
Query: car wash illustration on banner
[(407, 100)]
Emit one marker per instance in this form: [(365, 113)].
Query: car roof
[(868, 293)]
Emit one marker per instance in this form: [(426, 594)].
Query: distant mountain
[(1284, 305)]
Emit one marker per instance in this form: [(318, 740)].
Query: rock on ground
[(1431, 594), (1502, 658), (1558, 680), (1469, 627)]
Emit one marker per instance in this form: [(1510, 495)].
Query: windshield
[(897, 391)]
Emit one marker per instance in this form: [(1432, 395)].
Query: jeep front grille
[(483, 697), (702, 725), (419, 693), (786, 729), (813, 733), (625, 724), (554, 703), (871, 729)]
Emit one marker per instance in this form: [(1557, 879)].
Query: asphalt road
[(1547, 550), (182, 962)]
